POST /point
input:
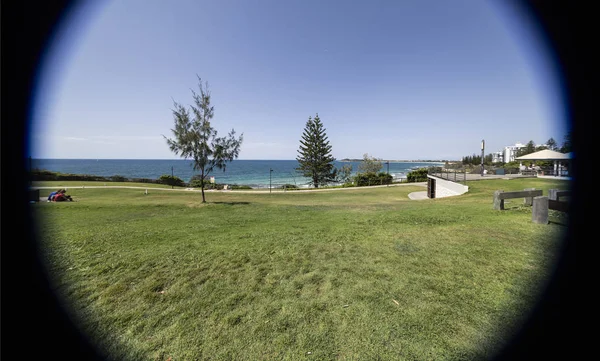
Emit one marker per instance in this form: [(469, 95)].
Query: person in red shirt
[(51, 195), (60, 196)]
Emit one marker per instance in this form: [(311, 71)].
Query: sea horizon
[(256, 173)]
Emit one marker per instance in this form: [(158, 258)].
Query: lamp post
[(172, 178), (270, 172), (482, 148), (388, 169)]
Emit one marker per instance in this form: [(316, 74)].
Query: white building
[(497, 157), (508, 154)]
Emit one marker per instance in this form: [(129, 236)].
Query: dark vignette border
[(34, 326)]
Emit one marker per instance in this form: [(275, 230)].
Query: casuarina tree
[(344, 173), (194, 137), (370, 164), (315, 159)]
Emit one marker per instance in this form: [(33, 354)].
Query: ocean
[(254, 173)]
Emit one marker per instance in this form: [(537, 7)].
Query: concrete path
[(255, 191), (418, 195), (414, 195)]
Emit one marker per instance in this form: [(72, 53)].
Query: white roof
[(546, 154)]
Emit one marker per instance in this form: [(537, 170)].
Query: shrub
[(385, 178), (145, 180), (371, 179), (364, 179), (45, 175), (42, 174), (171, 180), (289, 186), (118, 178), (207, 185), (196, 183), (235, 186), (417, 175)]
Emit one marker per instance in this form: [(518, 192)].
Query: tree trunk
[(202, 184)]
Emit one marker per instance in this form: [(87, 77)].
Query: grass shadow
[(231, 203)]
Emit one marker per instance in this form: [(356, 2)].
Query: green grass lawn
[(358, 274)]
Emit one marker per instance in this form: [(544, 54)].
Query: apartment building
[(508, 154)]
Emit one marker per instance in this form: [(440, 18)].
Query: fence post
[(540, 210), (528, 201), (498, 203)]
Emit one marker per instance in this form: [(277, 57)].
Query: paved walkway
[(414, 195), (418, 195), (554, 177), (254, 191)]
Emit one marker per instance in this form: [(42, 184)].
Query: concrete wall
[(446, 188)]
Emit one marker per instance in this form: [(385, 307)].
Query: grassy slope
[(354, 274)]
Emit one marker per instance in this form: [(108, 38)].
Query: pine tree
[(315, 159), (567, 145), (527, 149), (551, 143)]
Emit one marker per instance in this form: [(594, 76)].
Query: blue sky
[(395, 79)]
